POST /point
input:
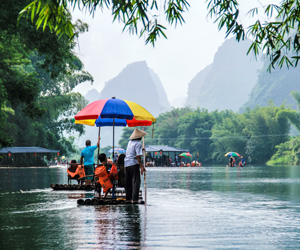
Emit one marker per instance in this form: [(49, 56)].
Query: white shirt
[(134, 149)]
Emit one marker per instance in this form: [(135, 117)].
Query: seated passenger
[(230, 162), (75, 172), (109, 161), (242, 163), (102, 178), (73, 166), (72, 171)]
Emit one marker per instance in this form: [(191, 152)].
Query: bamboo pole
[(113, 152), (98, 147), (113, 157)]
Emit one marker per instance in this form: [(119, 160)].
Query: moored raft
[(59, 187), (106, 201)]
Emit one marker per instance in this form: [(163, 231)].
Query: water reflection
[(209, 207), (283, 182), (31, 178), (104, 227)]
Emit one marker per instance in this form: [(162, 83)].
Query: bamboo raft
[(119, 195), (119, 198), (58, 187), (105, 201)]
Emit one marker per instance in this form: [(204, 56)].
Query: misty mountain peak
[(138, 83), (228, 81)]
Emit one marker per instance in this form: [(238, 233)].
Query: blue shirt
[(134, 149), (88, 155)]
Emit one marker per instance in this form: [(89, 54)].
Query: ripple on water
[(209, 208)]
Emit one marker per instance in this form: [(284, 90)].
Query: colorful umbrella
[(114, 112), (114, 108), (233, 154), (118, 150), (185, 155)]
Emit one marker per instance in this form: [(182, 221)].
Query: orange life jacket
[(72, 174), (113, 174), (80, 171), (104, 180), (72, 170)]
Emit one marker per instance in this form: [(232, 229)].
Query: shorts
[(89, 170)]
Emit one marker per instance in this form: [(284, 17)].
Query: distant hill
[(178, 102), (228, 81), (275, 86), (92, 95), (137, 83)]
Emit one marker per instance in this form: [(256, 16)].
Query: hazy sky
[(105, 50)]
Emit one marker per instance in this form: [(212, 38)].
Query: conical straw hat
[(137, 134)]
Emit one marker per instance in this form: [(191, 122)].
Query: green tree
[(164, 131), (292, 115), (288, 153), (265, 130), (17, 83), (166, 127), (195, 131), (254, 134), (228, 135), (279, 39), (37, 73)]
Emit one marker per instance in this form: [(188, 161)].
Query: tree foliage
[(288, 153), (278, 38), (38, 71), (254, 134)]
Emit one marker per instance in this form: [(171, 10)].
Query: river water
[(213, 207)]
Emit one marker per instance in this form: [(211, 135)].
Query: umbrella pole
[(144, 154), (113, 152), (113, 157), (98, 147), (97, 161)]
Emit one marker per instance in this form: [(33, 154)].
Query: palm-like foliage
[(279, 39)]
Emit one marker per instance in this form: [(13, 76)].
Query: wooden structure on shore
[(163, 155), (25, 156)]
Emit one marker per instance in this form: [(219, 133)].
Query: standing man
[(88, 154), (133, 164), (115, 157)]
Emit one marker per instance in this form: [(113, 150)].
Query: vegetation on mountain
[(276, 86), (228, 81)]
